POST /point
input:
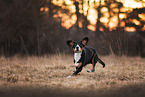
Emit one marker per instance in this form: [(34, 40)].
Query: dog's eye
[(74, 45), (81, 45)]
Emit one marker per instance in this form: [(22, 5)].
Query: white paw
[(69, 76), (89, 71)]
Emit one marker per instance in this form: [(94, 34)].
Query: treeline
[(26, 30)]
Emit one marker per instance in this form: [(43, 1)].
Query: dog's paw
[(89, 71), (74, 70), (69, 76), (104, 66), (93, 70)]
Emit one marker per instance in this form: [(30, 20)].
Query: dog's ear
[(85, 40), (70, 43)]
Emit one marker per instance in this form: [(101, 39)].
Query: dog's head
[(78, 47)]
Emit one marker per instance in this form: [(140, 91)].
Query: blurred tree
[(80, 28), (17, 20), (134, 20), (85, 21), (114, 37), (108, 5), (77, 14), (35, 27), (27, 30), (98, 24)]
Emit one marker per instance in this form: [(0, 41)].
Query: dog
[(83, 55)]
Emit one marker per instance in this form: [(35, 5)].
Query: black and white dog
[(83, 55)]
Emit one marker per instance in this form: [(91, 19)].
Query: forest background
[(38, 27)]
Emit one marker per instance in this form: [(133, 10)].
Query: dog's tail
[(101, 62)]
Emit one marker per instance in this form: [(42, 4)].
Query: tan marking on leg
[(79, 64), (93, 62)]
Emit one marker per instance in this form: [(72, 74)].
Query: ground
[(45, 76)]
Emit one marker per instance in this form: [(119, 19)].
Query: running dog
[(83, 55)]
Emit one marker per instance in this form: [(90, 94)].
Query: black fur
[(88, 55)]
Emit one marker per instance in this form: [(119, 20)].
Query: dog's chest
[(77, 57)]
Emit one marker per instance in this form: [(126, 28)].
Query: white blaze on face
[(79, 48), (77, 57)]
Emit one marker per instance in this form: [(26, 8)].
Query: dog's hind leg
[(93, 64), (101, 62)]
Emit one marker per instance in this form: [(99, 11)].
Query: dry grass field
[(46, 76)]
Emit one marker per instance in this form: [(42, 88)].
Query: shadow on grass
[(137, 90)]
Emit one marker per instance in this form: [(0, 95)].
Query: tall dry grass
[(51, 71)]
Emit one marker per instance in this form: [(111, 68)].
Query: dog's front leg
[(79, 65), (78, 69)]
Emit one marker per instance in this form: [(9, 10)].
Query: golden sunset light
[(90, 11), (42, 8), (142, 16), (91, 27), (121, 16), (143, 29), (112, 25), (122, 24), (130, 29), (92, 16), (136, 22), (104, 20), (46, 9), (132, 4), (101, 29), (104, 9)]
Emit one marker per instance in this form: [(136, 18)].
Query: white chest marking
[(77, 57)]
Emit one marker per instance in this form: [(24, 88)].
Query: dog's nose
[(77, 48)]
